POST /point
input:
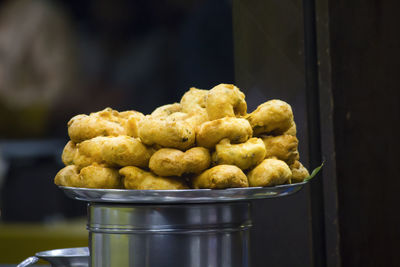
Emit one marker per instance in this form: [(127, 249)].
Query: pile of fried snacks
[(207, 140)]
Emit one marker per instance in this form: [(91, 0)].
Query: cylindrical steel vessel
[(187, 235)]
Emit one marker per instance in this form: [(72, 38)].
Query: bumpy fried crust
[(237, 130), (225, 100), (166, 110), (115, 151), (194, 101), (270, 172), (284, 147), (166, 132), (221, 176), (102, 123), (96, 176), (299, 172), (245, 155), (68, 176), (136, 178), (130, 120), (274, 116), (93, 176), (173, 162), (126, 151), (292, 130), (69, 153)]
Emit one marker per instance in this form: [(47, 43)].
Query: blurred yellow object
[(21, 240)]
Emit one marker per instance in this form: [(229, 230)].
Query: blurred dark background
[(335, 62)]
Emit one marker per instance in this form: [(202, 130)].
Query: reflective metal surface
[(180, 196), (67, 257), (193, 235)]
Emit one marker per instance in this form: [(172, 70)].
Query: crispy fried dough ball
[(112, 151), (225, 100), (244, 155), (270, 172), (136, 178), (93, 176), (97, 176), (272, 116), (237, 130), (166, 132), (284, 147), (90, 151), (69, 153), (299, 172), (68, 176), (194, 102), (166, 110), (126, 151), (102, 123), (130, 120), (173, 162), (221, 176)]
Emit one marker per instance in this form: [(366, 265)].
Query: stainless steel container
[(187, 235), (179, 228)]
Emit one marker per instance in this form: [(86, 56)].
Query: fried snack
[(93, 176), (225, 100), (166, 110), (194, 101), (136, 178), (284, 147), (130, 120), (103, 123), (272, 116), (69, 153), (237, 130), (90, 151), (126, 151), (173, 162), (219, 177), (299, 172), (270, 172), (96, 176), (244, 155), (68, 176), (113, 151), (166, 132)]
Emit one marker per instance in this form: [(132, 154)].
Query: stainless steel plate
[(180, 196)]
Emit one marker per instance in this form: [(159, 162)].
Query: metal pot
[(189, 235)]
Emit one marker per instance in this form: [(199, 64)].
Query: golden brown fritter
[(93, 176), (225, 100), (69, 153), (173, 162), (102, 123), (68, 176), (244, 155), (166, 110), (194, 101), (113, 151), (270, 172), (299, 172), (166, 133), (284, 147), (219, 177), (130, 120), (136, 178), (97, 176), (237, 130), (272, 116)]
